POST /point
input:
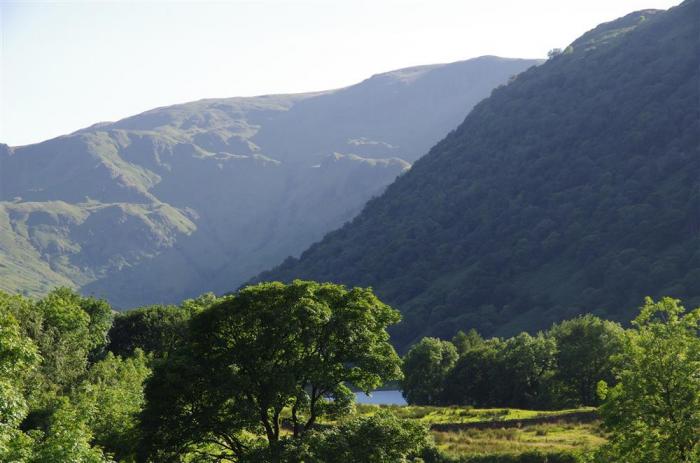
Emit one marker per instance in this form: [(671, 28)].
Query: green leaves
[(247, 378), (425, 368), (155, 329), (586, 347), (380, 438), (653, 412), (18, 356), (267, 349), (556, 369), (495, 373), (53, 383), (68, 439), (110, 400)]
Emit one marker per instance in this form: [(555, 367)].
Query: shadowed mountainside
[(574, 188)]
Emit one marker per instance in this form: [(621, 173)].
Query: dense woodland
[(266, 375), (557, 369), (573, 189)]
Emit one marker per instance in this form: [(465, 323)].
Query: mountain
[(199, 197), (575, 188)]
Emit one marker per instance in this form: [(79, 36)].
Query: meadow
[(465, 432)]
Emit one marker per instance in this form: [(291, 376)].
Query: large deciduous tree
[(653, 413), (268, 348)]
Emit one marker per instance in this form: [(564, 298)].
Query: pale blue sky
[(66, 65)]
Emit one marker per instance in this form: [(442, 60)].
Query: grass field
[(458, 415), (464, 431), (554, 437)]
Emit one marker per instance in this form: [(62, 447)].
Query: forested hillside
[(575, 188), (201, 196)]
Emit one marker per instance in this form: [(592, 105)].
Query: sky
[(67, 65)]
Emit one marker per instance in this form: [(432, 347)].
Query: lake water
[(381, 398)]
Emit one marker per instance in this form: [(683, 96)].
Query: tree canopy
[(47, 348), (653, 412), (586, 350), (560, 367), (264, 375), (266, 348), (425, 367)]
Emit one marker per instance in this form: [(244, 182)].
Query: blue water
[(380, 398)]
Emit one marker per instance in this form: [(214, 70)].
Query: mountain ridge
[(213, 191), (539, 205)]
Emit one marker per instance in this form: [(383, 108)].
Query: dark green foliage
[(259, 351), (557, 369), (156, 329), (186, 409), (572, 189), (424, 367), (472, 379), (527, 364), (586, 348), (381, 438), (464, 342), (512, 373)]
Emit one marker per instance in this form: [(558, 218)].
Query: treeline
[(556, 369), (265, 375)]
